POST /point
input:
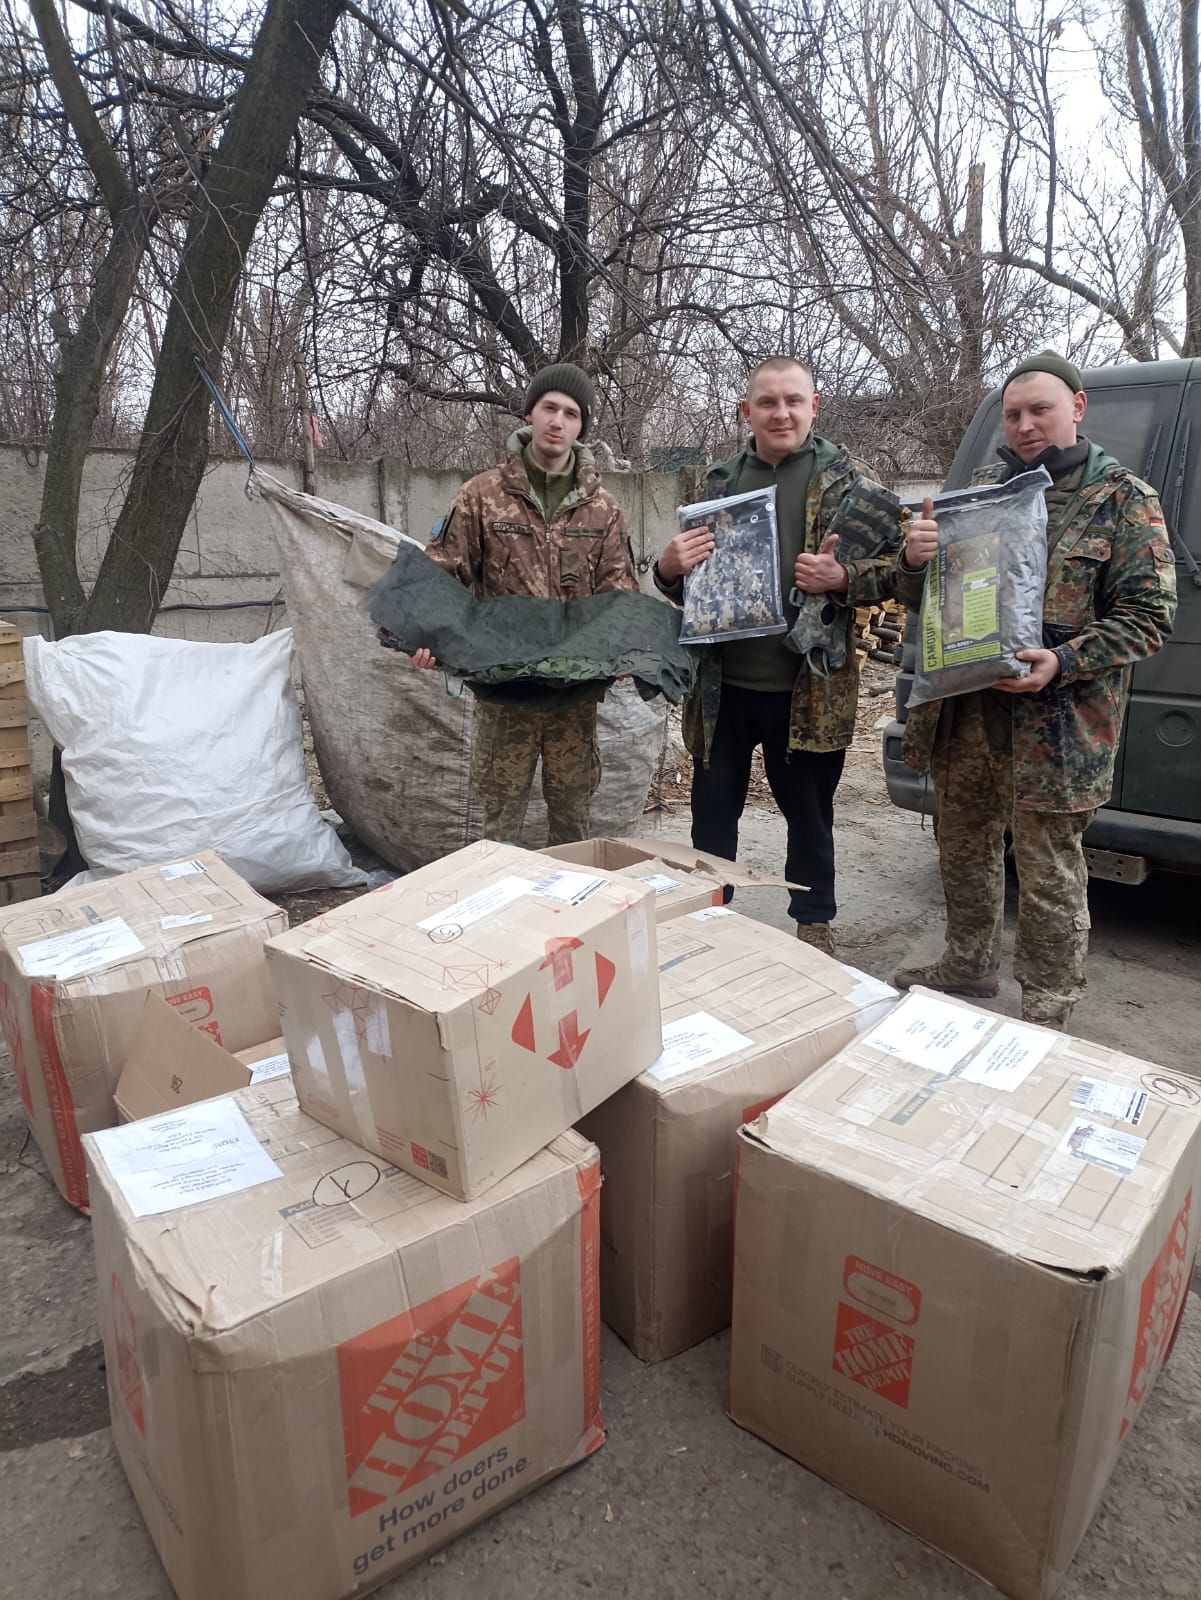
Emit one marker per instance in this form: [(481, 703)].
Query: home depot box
[(677, 889), (457, 1020), (317, 1381), (172, 1064), (748, 1012), (962, 1253), (75, 970)]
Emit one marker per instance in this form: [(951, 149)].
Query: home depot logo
[(873, 1353), (1160, 1309), (566, 965), (424, 1389)]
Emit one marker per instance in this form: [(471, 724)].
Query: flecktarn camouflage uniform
[(1040, 764), (497, 541)]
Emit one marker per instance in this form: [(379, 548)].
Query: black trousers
[(802, 783)]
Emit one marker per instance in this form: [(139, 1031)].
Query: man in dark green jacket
[(1035, 755), (757, 691)]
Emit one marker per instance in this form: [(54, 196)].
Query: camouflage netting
[(866, 524), (393, 746), (522, 650)]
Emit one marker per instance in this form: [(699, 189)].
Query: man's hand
[(686, 550), (822, 573), (921, 541), (1044, 667), (423, 658)]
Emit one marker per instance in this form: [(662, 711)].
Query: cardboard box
[(75, 970), (171, 1064), (677, 889), (748, 1012), (684, 879), (459, 1019), (318, 1381), (962, 1253)]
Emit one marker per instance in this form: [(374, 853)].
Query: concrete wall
[(228, 555), (226, 584)]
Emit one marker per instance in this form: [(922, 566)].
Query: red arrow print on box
[(571, 1042), (559, 959)]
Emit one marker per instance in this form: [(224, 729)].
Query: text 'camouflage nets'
[(735, 592), (866, 524), (983, 600), (522, 650)]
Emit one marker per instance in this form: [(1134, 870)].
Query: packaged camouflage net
[(735, 592), (983, 600)]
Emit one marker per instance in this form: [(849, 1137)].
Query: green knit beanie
[(566, 378), (1048, 361)]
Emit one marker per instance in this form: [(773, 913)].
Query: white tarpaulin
[(393, 746)]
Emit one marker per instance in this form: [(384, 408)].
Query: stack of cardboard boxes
[(963, 1251), (351, 1305)]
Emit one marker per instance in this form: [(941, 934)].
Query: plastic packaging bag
[(171, 747), (983, 600), (735, 592)]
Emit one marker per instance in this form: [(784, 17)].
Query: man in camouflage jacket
[(757, 691), (1035, 755), (539, 524)]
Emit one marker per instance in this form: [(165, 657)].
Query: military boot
[(939, 975), (818, 934), (1055, 1017)]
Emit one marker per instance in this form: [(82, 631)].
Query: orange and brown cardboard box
[(748, 1012), (75, 970), (172, 1064), (459, 1019), (962, 1254), (319, 1379)]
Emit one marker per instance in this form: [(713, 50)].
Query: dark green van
[(1148, 415)]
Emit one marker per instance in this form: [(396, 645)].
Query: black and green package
[(983, 600)]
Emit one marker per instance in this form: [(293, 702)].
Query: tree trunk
[(171, 458), (82, 366)]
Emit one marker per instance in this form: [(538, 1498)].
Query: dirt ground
[(680, 1502)]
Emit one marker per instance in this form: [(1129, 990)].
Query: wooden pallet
[(20, 860)]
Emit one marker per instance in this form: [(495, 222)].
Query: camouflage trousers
[(972, 768), (509, 741)]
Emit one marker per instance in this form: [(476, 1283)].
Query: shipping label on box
[(962, 1253), (457, 1020), (374, 1369), (748, 1013), (77, 966)]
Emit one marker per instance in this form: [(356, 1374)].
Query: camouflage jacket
[(823, 709), (1110, 600), (496, 541)]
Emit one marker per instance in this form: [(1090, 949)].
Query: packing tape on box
[(346, 1030)]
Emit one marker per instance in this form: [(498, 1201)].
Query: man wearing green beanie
[(539, 524), (1034, 756)]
